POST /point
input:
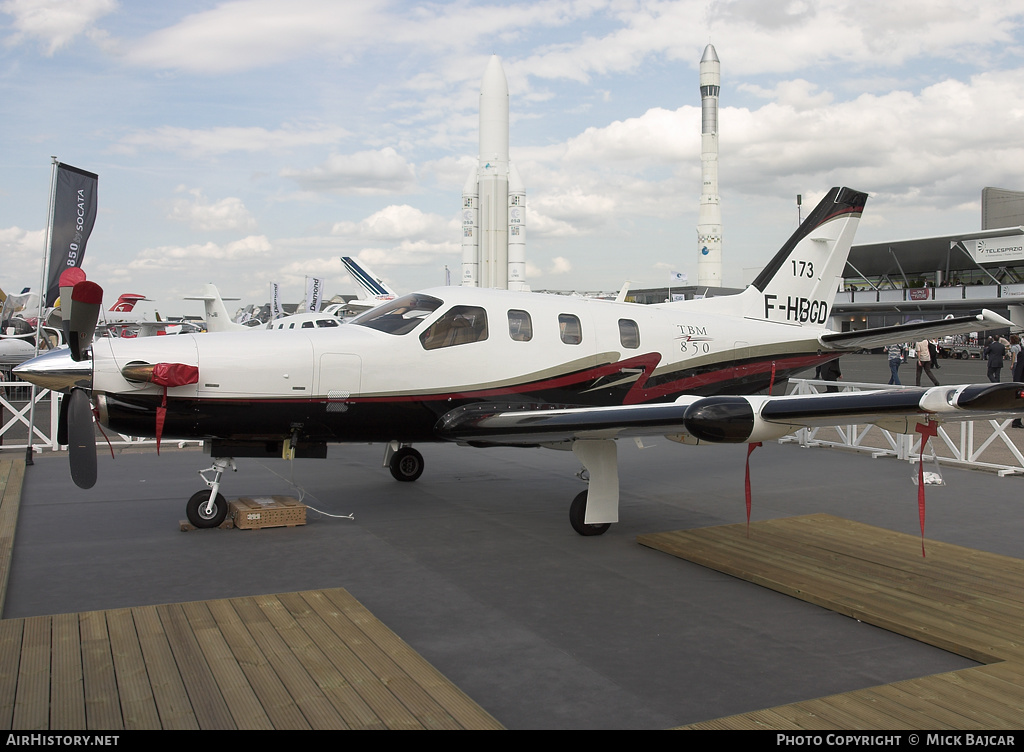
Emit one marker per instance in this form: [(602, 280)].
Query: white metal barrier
[(980, 444), (15, 408)]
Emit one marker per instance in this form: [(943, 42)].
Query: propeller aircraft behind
[(482, 367)]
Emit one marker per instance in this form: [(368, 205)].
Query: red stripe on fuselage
[(640, 392)]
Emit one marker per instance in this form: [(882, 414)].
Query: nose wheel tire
[(201, 514), (578, 513), (406, 465)]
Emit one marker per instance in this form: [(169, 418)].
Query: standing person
[(924, 362), (933, 351), (896, 357), (1018, 369), (993, 353), (830, 372)]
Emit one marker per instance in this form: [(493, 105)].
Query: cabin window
[(459, 326), (520, 326), (629, 334), (569, 329), (400, 316)]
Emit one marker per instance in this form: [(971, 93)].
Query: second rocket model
[(709, 217), (494, 200)]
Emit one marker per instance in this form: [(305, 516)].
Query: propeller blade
[(62, 420), (85, 312), (68, 279), (81, 439)]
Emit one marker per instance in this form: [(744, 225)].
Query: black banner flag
[(74, 213)]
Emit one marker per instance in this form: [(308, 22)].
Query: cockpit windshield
[(399, 316)]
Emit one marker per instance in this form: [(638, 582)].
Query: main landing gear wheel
[(578, 513), (406, 465), (202, 514)]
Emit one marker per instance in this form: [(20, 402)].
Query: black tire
[(406, 465), (578, 513), (194, 510)]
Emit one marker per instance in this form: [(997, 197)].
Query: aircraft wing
[(886, 335), (730, 419)]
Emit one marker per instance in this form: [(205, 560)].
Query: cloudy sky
[(253, 141)]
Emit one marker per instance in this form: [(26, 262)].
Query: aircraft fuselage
[(392, 376)]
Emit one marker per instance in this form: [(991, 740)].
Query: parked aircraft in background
[(482, 367), (219, 320), (374, 289), (216, 313)]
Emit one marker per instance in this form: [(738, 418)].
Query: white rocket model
[(709, 218), (494, 200)]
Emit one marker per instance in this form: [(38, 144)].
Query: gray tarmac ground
[(476, 567)]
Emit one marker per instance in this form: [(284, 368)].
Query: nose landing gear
[(209, 508)]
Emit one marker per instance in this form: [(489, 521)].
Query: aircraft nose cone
[(56, 370)]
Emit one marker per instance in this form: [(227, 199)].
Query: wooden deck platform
[(967, 602), (309, 660)]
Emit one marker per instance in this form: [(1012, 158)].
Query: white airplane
[(483, 367), (217, 317)]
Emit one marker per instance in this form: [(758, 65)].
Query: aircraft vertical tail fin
[(799, 285), (217, 317), (374, 288), (126, 302)]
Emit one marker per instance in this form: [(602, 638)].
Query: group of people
[(927, 355)]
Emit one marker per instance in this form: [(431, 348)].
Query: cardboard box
[(252, 513)]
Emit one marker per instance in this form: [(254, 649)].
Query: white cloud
[(557, 266), (560, 265), (413, 253), (201, 255), (798, 94), (199, 214), (953, 132), (397, 223), (22, 253), (365, 173), (199, 143), (539, 225), (245, 34), (54, 22), (655, 137)]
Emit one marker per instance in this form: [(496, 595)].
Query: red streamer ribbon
[(746, 482), (161, 416), (96, 416), (772, 382), (927, 430)]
